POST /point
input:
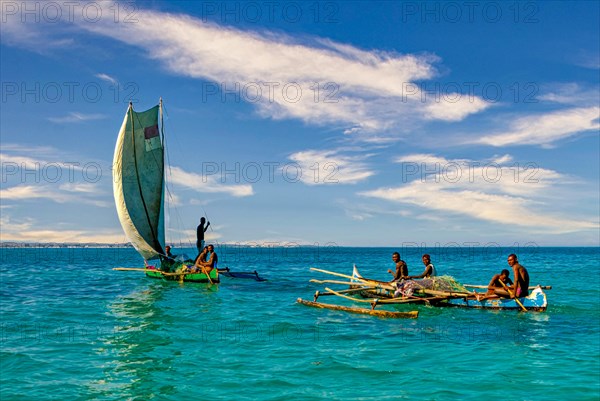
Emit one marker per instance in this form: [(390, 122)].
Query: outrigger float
[(441, 291)]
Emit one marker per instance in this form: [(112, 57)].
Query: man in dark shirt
[(200, 230)]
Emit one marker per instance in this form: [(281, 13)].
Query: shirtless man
[(429, 268), (495, 288), (201, 256), (401, 268), (520, 288), (207, 266)]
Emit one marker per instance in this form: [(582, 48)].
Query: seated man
[(429, 268), (207, 266), (495, 287), (401, 268), (168, 252)]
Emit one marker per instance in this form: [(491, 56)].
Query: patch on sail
[(152, 138)]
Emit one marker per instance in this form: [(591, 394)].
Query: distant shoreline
[(54, 245)]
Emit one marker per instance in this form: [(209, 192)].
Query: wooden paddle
[(511, 294), (208, 276)]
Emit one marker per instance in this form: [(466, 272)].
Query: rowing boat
[(460, 297), (195, 277), (535, 301)]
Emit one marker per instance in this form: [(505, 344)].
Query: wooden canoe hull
[(536, 301), (188, 277)]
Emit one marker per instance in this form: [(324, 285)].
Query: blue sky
[(354, 123)]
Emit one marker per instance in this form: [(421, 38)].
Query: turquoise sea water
[(73, 329)]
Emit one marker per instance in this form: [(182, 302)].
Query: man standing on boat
[(401, 268), (521, 287), (429, 268), (200, 230)]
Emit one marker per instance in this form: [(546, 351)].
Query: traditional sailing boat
[(139, 188)]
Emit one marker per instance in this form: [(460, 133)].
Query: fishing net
[(438, 283)]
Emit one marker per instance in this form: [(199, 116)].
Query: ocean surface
[(74, 329)]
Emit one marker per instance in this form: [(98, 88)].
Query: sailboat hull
[(188, 277)]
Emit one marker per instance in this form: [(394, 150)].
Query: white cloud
[(546, 128), (30, 30), (64, 193), (360, 91), (74, 117), (570, 93), (517, 195), (86, 188), (25, 230), (38, 150), (107, 78), (502, 159), (27, 178), (502, 209), (330, 167), (587, 59), (207, 183)]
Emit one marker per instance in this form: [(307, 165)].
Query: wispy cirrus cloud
[(107, 78), (74, 117), (28, 230), (51, 174), (545, 129), (331, 167), (484, 190), (570, 93), (206, 183), (587, 59), (316, 80), (66, 193)]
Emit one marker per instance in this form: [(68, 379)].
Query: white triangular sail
[(138, 181)]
